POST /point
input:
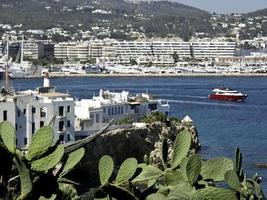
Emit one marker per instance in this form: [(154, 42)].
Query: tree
[(175, 57)]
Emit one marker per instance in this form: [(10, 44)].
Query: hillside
[(157, 18), (262, 12)]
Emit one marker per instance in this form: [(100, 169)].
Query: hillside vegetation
[(153, 18)]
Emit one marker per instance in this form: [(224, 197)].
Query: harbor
[(224, 121)]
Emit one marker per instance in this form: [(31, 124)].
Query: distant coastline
[(57, 75)]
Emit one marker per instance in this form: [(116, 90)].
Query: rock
[(262, 165), (121, 144)]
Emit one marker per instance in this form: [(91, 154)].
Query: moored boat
[(227, 94)]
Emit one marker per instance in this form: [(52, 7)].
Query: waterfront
[(222, 125)]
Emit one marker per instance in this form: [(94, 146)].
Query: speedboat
[(227, 94)]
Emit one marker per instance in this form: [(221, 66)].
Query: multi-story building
[(93, 114), (30, 49), (72, 51), (213, 49), (145, 52), (29, 110)]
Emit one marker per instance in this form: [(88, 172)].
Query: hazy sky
[(226, 6)]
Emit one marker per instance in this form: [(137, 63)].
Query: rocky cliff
[(136, 142)]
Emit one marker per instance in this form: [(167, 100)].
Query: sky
[(226, 6)]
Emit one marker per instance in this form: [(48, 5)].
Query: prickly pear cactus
[(41, 142), (149, 172), (73, 159), (25, 179), (126, 171), (182, 191), (193, 168), (181, 147), (173, 177), (105, 167), (164, 153), (48, 162), (156, 196), (215, 169), (232, 180), (118, 192), (8, 136), (214, 194)]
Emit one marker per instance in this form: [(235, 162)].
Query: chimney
[(46, 80)]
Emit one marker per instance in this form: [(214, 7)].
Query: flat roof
[(54, 95)]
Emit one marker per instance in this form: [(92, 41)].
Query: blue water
[(222, 126)]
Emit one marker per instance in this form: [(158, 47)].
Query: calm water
[(222, 126)]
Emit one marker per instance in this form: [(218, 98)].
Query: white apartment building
[(144, 52), (72, 51), (93, 114), (213, 49), (29, 110), (30, 49)]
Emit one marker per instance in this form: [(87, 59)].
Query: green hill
[(156, 18)]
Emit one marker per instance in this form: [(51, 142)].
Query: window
[(112, 111), (68, 109), (33, 110), (92, 117), (61, 138), (16, 127), (97, 118), (121, 110), (41, 124), (68, 123), (109, 112), (61, 125), (61, 111), (5, 115), (33, 127), (24, 111), (115, 110), (43, 112), (25, 141), (68, 137), (18, 113), (104, 110)]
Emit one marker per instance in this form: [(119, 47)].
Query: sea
[(222, 126)]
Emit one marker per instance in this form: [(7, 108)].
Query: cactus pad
[(193, 168), (126, 171), (148, 172), (182, 191), (172, 177), (232, 180), (214, 194), (8, 136), (41, 142), (24, 173), (164, 153), (73, 159), (215, 169), (49, 161), (118, 192), (105, 167), (156, 196), (181, 148)]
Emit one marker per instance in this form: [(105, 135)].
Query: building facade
[(30, 110)]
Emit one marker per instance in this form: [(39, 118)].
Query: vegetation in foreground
[(41, 173)]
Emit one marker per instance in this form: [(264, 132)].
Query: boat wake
[(184, 96), (228, 104)]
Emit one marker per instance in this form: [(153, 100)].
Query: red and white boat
[(227, 94)]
